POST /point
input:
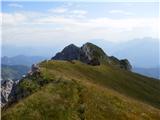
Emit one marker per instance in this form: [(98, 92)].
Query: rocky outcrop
[(11, 90), (125, 64), (34, 69), (90, 54), (7, 89)]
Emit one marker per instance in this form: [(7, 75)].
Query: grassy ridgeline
[(125, 82), (80, 91)]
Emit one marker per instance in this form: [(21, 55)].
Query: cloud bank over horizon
[(44, 24)]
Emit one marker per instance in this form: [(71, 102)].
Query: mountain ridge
[(90, 54), (72, 89)]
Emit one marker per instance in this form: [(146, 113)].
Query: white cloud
[(82, 12), (63, 10), (50, 29), (13, 19), (15, 5), (120, 12), (101, 23), (58, 10), (78, 13)]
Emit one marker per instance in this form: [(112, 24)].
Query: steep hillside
[(83, 83), (125, 82), (75, 90)]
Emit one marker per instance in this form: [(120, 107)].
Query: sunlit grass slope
[(83, 92), (125, 82)]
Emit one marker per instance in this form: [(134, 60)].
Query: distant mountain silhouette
[(21, 60), (150, 72), (135, 51), (13, 72), (90, 54)]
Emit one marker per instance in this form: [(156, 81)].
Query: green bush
[(29, 85)]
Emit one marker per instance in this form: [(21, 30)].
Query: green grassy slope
[(82, 92), (128, 83)]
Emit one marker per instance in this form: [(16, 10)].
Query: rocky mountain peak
[(70, 47), (90, 54), (70, 52), (93, 51)]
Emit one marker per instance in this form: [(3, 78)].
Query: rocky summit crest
[(90, 54)]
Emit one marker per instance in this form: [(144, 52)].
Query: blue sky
[(88, 0), (53, 23), (146, 9)]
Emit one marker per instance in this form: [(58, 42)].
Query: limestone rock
[(90, 54), (7, 88)]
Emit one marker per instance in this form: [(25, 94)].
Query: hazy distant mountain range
[(142, 53), (13, 72), (150, 72), (24, 62), (15, 67), (21, 60)]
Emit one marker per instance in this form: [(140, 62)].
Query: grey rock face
[(90, 54), (34, 68), (87, 52), (125, 64), (93, 54), (7, 88), (84, 54), (11, 91)]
